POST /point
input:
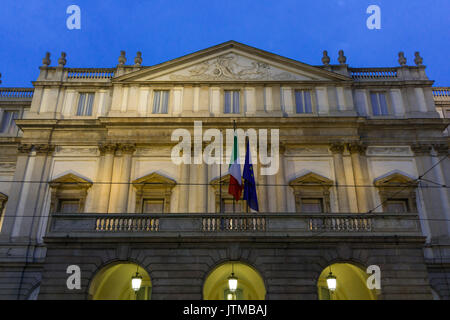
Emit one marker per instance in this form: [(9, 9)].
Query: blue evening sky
[(167, 29)]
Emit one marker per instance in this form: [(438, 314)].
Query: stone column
[(123, 186), (261, 188), (202, 188), (14, 196), (280, 180), (337, 149), (105, 176), (183, 197), (362, 194), (433, 202), (31, 202)]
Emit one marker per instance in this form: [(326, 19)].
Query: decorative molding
[(337, 147), (357, 148), (227, 67), (153, 151), (7, 166), (421, 149), (77, 150), (441, 149), (44, 148), (107, 148), (126, 147), (392, 151), (24, 148), (292, 151)]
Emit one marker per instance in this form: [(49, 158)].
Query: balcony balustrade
[(267, 225)]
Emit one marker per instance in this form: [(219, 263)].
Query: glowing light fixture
[(232, 280), (331, 281), (136, 281)]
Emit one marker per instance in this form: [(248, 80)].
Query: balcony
[(273, 225)]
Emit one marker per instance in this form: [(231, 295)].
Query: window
[(8, 125), (68, 194), (230, 206), (153, 193), (160, 101), (312, 193), (379, 104), (85, 103), (397, 206), (69, 206), (397, 193), (231, 104), (153, 206), (303, 101), (312, 205)]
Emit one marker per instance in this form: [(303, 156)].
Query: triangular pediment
[(395, 178), (234, 62), (154, 179), (69, 180), (311, 179)]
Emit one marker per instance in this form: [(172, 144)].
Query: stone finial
[(342, 59), (122, 58), (46, 61), (418, 60), (325, 58), (62, 60), (401, 58), (138, 59)]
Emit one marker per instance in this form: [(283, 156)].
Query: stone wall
[(290, 269)]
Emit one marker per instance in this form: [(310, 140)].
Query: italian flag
[(235, 187)]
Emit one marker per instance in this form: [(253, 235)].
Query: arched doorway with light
[(121, 281), (234, 281), (344, 281)]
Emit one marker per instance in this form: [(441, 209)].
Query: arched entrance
[(250, 285), (113, 282), (350, 283)]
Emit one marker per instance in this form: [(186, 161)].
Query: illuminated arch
[(351, 283), (113, 282), (250, 283)]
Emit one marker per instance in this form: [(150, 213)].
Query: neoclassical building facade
[(88, 180)]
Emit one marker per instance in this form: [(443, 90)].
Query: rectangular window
[(8, 126), (397, 206), (85, 104), (160, 101), (69, 206), (230, 206), (231, 103), (153, 206), (312, 205), (379, 104), (303, 101)]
